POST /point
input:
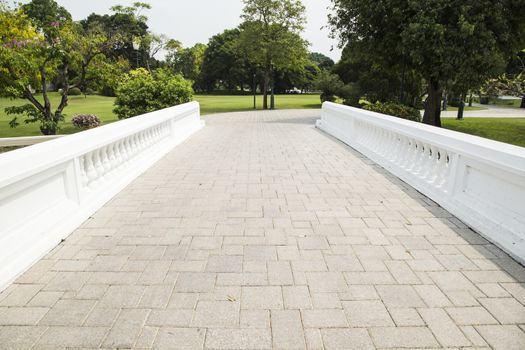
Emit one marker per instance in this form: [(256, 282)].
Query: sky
[(192, 21)]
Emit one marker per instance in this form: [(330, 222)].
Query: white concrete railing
[(26, 140), (48, 190), (480, 181)]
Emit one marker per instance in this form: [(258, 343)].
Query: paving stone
[(216, 314), (122, 296), (146, 338), (328, 318), (279, 273), (68, 313), (21, 295), (432, 296), (339, 339), (444, 328), (367, 314), (102, 317), (170, 318), (279, 220), (79, 337), (506, 310), (471, 315), (21, 316), (45, 299), (503, 337), (399, 296), (255, 319), (403, 337), (19, 337), (326, 301), (326, 282), (248, 338), (296, 297), (180, 338), (261, 298), (224, 263), (126, 329), (156, 296), (195, 282), (287, 329), (406, 317), (183, 300)]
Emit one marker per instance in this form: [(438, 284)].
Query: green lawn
[(509, 130), (102, 107), (467, 108), (218, 104), (99, 105)]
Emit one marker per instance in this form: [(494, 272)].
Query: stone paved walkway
[(262, 232)]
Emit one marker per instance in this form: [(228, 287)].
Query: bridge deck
[(263, 232)]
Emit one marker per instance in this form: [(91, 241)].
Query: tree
[(121, 28), (322, 61), (440, 39), (224, 64), (33, 52), (270, 37), (379, 82), (188, 62), (329, 84), (142, 91)]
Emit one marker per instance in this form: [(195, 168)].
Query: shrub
[(329, 84), (75, 92), (396, 110), (86, 121), (141, 92), (351, 94), (90, 91)]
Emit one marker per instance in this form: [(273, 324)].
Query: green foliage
[(141, 92), (48, 16), (33, 58), (224, 65), (446, 41), (322, 61), (329, 84), (188, 62), (270, 36), (75, 92), (396, 110), (351, 94)]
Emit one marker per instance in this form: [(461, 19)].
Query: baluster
[(105, 160), (83, 172), (112, 156), (90, 169)]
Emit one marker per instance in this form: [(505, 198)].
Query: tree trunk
[(522, 102), (432, 114), (266, 83)]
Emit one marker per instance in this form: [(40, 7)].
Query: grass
[(218, 104), (99, 105), (503, 102), (102, 107), (467, 108), (509, 130)]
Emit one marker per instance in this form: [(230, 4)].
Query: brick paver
[(263, 232)]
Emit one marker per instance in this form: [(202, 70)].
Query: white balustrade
[(48, 190), (480, 181)]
